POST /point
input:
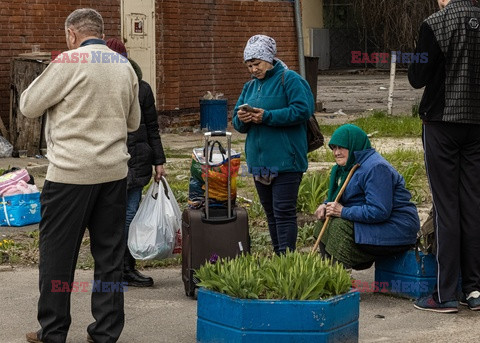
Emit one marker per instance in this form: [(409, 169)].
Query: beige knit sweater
[(90, 96)]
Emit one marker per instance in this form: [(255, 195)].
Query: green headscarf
[(350, 137)]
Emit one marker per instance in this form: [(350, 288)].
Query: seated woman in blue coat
[(374, 216)]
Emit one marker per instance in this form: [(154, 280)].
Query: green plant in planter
[(293, 276)]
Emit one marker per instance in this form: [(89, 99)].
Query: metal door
[(138, 33)]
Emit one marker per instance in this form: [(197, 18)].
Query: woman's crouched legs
[(338, 242)]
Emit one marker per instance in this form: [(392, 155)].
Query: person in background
[(450, 111), (276, 144), (146, 150), (90, 106), (374, 216)]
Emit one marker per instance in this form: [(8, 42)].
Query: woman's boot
[(132, 276)]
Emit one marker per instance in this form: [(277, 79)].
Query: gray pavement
[(164, 314)]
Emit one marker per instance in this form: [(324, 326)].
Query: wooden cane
[(337, 199)]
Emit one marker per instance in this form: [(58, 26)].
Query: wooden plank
[(25, 133)]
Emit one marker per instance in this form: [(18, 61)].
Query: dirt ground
[(354, 92)]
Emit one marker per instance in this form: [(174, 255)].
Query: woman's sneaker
[(429, 304)]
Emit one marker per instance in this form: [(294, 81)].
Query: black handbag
[(314, 135)]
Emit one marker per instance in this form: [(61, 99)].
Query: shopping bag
[(20, 209), (217, 176), (156, 228)]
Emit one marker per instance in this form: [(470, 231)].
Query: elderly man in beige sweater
[(90, 97)]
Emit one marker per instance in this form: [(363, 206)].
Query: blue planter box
[(222, 318), (403, 275)]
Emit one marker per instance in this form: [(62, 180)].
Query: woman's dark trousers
[(279, 200)]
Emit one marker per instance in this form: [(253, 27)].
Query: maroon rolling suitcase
[(209, 231)]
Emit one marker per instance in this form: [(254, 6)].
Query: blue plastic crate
[(403, 275), (222, 318)]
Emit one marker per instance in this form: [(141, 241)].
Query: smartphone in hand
[(246, 108)]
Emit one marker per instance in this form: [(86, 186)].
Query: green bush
[(293, 276)]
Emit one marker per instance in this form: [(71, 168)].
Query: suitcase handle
[(218, 133), (229, 180)]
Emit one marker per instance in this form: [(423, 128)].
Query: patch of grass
[(409, 163), (241, 182), (168, 262), (415, 108), (402, 156), (260, 241), (238, 141), (175, 153), (23, 251), (86, 263), (383, 125), (416, 181)]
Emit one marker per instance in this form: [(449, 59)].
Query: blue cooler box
[(20, 209), (403, 275)]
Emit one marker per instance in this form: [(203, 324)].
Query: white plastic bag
[(6, 148), (156, 225)]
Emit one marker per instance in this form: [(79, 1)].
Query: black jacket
[(144, 145), (451, 76)]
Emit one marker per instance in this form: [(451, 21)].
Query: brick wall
[(200, 48), (27, 22), (199, 44)]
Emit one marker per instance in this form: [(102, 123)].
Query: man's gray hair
[(86, 21)]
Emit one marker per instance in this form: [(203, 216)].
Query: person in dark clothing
[(145, 149), (450, 110)]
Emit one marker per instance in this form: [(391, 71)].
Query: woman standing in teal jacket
[(276, 144)]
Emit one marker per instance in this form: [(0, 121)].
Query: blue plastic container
[(20, 209), (222, 318), (403, 275), (213, 114)]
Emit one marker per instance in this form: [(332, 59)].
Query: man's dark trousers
[(452, 159), (67, 210)]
